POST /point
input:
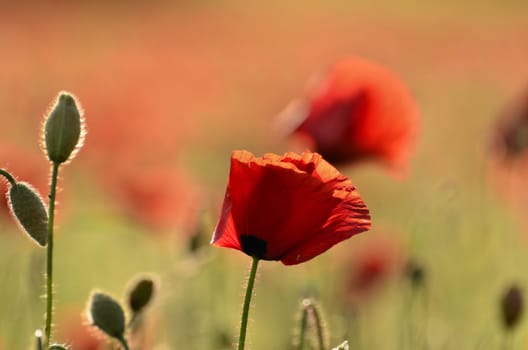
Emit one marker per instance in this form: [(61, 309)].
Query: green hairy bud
[(106, 314), (28, 209), (63, 129)]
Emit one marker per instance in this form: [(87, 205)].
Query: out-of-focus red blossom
[(160, 197), (74, 331), (289, 208), (357, 111), (25, 166), (373, 263)]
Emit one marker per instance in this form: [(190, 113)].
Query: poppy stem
[(304, 324), (318, 326), (247, 302), (8, 176), (49, 265), (38, 337)]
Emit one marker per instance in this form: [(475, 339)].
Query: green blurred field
[(193, 82)]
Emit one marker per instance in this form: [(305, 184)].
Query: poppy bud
[(58, 347), (512, 307), (415, 273), (141, 293), (63, 129), (106, 314), (29, 210)]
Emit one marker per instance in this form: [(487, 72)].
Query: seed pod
[(106, 314), (63, 129), (140, 293), (29, 210), (512, 307)]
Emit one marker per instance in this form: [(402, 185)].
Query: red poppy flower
[(358, 111), (289, 208)]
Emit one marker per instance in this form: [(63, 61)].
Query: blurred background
[(169, 89)]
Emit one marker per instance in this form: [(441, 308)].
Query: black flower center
[(253, 246)]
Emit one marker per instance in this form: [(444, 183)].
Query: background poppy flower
[(289, 208), (77, 334), (374, 262), (358, 110)]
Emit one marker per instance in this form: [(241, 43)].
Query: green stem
[(124, 343), (247, 302), (49, 265), (304, 323), (318, 326), (8, 176), (38, 336)]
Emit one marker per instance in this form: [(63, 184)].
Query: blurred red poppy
[(289, 208), (358, 111), (159, 197), (73, 331), (373, 263)]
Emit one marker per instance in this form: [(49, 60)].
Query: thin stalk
[(38, 336), (247, 302), (8, 176), (124, 344), (318, 326), (304, 324), (49, 265)]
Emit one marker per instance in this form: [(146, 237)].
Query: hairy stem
[(8, 176), (303, 324), (318, 326), (247, 302), (49, 265)]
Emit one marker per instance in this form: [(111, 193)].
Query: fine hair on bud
[(140, 292), (63, 131), (29, 210), (106, 314), (512, 306)]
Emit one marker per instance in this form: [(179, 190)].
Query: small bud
[(140, 293), (512, 307), (58, 347), (63, 129), (106, 314), (29, 210), (415, 273)]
